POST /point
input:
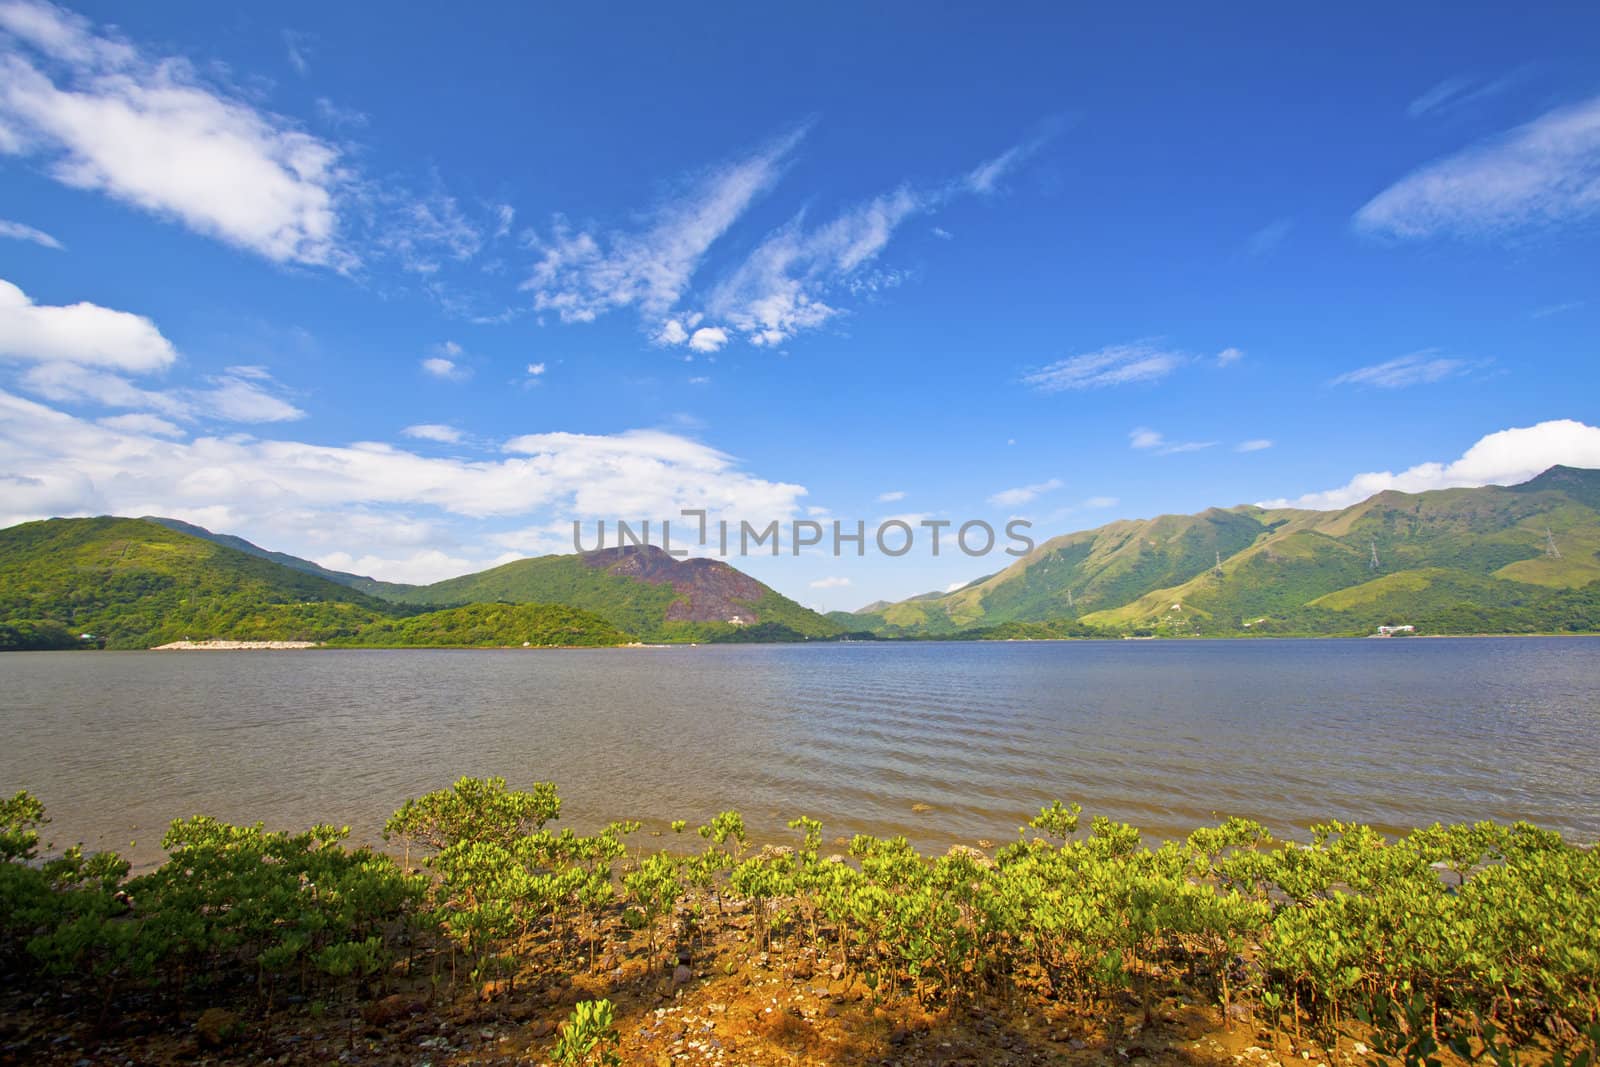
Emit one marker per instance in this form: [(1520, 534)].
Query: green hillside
[(1449, 561), (359, 582), (490, 626), (135, 584), (641, 591), (1104, 567)]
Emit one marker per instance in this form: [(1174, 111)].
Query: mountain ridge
[(1250, 569)]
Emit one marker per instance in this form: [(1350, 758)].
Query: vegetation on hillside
[(1521, 559), (1484, 935), (135, 584), (490, 626)]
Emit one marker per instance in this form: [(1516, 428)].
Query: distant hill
[(134, 583), (359, 582), (1449, 561), (642, 590)]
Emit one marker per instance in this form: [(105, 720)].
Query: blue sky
[(409, 295)]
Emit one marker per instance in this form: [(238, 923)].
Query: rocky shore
[(234, 646)]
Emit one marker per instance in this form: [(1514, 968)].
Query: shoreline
[(306, 646)]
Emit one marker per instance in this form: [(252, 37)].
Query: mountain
[(1453, 560), (360, 583), (643, 590), (136, 583)]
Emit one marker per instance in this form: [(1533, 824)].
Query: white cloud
[(296, 46), (1418, 368), (1556, 309), (1256, 445), (228, 397), (1145, 438), (782, 287), (535, 369), (700, 379), (891, 496), (444, 363), (440, 367), (72, 382), (985, 178), (17, 231), (1452, 93), (1113, 365), (830, 583), (953, 586), (84, 334), (142, 424), (1544, 173), (1011, 498), (1150, 440), (242, 400), (152, 134), (942, 234), (708, 339), (1101, 502), (340, 117), (433, 431), (581, 276), (418, 568), (1503, 458), (1229, 356), (318, 499), (1269, 237)]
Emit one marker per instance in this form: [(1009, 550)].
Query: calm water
[(1162, 734)]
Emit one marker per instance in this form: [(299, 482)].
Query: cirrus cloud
[(1543, 173), (1142, 361)]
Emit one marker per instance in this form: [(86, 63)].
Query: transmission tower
[(1550, 544), (1217, 571), (1374, 554), (1069, 600)]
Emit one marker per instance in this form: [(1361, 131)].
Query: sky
[(411, 296)]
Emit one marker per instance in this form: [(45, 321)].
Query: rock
[(390, 1010), (681, 976), (919, 808), (972, 854), (542, 1028), (217, 1027), (899, 1035)]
